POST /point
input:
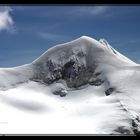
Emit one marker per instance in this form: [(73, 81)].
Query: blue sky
[(28, 31)]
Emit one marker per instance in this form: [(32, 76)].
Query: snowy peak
[(79, 62), (76, 63), (88, 46)]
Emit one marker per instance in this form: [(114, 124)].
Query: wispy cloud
[(52, 37), (95, 10), (6, 21), (88, 11), (70, 12)]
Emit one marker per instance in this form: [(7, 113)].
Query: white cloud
[(6, 21)]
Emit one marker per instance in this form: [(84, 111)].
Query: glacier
[(97, 92)]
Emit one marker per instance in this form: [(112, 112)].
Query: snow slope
[(100, 85)]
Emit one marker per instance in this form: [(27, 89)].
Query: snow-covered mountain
[(99, 86)]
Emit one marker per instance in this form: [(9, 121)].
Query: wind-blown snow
[(100, 85)]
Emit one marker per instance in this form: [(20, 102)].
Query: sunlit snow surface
[(32, 108)]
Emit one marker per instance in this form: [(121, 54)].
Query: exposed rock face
[(123, 130), (109, 91), (75, 71), (96, 79), (59, 89), (136, 126)]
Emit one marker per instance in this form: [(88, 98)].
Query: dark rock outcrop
[(75, 71), (109, 91)]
